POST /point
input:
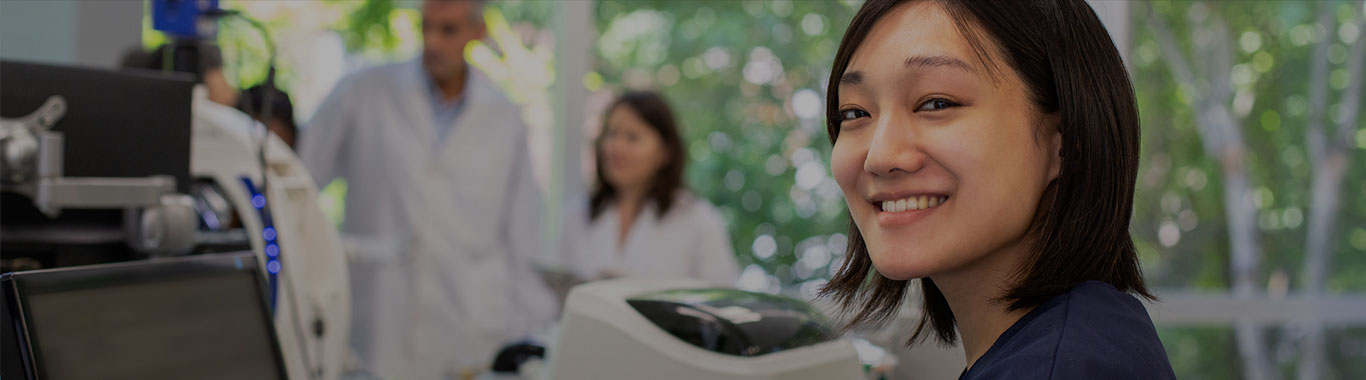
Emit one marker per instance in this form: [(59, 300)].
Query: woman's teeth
[(913, 203)]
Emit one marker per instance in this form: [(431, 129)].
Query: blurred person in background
[(442, 213), (252, 102), (641, 218)]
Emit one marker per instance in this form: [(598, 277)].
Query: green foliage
[(1180, 186), (247, 54), (368, 25), (1179, 182), (1201, 352), (1345, 350)]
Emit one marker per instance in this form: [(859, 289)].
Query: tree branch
[(1330, 165), (1220, 46), (1167, 43), (1181, 69), (1318, 84), (1221, 135)]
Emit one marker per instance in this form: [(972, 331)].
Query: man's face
[(447, 26)]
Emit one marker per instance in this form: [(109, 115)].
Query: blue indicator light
[(273, 267), (272, 250), (258, 201), (268, 234)]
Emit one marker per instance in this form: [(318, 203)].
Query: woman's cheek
[(846, 162)]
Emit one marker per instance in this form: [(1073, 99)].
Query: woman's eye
[(853, 113), (936, 104)]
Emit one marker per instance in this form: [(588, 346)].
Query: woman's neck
[(629, 202), (980, 315), (630, 199)]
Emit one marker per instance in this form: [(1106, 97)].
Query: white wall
[(86, 33)]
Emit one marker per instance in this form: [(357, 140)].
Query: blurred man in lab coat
[(441, 209)]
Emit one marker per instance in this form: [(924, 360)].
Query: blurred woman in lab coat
[(641, 219)]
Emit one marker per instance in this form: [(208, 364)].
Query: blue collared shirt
[(444, 112)]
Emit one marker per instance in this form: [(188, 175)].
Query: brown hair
[(1070, 67), (669, 179)]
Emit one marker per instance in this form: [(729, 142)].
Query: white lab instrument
[(313, 308), (660, 330)]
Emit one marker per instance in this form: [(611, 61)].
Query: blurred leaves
[(368, 25), (1180, 219), (1178, 183)]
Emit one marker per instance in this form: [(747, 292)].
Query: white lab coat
[(448, 230), (690, 241)]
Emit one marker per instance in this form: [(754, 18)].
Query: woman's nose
[(895, 147)]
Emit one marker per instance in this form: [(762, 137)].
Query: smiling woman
[(989, 149)]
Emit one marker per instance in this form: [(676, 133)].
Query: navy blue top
[(1091, 332)]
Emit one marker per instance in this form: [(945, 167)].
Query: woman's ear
[(1053, 126)]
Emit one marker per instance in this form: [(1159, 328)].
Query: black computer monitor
[(117, 124), (195, 317)]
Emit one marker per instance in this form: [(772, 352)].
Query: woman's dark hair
[(656, 112), (1070, 67)]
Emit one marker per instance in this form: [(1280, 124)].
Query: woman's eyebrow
[(851, 78), (922, 61), (854, 78)]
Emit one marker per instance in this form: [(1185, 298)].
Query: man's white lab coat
[(443, 232)]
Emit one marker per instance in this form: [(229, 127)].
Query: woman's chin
[(899, 267)]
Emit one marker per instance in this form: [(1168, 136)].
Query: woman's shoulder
[(1108, 332), (689, 206), (1093, 331)]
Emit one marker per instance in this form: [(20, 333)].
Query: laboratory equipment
[(190, 317), (104, 166), (667, 329)]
